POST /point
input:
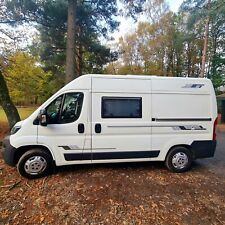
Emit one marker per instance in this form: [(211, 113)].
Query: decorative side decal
[(71, 147), (193, 86), (189, 127)]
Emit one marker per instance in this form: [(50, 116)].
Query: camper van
[(117, 118)]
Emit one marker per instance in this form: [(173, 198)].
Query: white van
[(113, 118)]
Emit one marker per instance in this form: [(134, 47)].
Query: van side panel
[(182, 112)]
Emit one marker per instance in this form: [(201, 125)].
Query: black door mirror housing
[(43, 118)]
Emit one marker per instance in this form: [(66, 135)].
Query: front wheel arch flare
[(21, 150)]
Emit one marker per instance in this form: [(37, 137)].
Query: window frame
[(121, 98), (62, 104)]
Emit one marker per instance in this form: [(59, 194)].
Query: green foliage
[(94, 19), (27, 81)]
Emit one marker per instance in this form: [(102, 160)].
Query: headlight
[(15, 129)]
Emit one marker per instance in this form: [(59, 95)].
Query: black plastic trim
[(8, 152), (180, 119), (98, 128), (203, 149), (111, 155), (36, 121), (81, 128)]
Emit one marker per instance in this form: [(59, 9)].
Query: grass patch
[(24, 113)]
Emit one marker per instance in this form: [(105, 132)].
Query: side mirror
[(43, 118)]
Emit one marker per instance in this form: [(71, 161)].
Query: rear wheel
[(179, 159), (35, 163)]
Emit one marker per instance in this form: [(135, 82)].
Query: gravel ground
[(134, 193)]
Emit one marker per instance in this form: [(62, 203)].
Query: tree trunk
[(70, 45), (162, 64), (178, 64), (188, 60), (204, 52), (192, 69), (214, 48), (80, 60), (170, 64), (6, 103), (36, 100)]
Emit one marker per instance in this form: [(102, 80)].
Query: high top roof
[(131, 76)]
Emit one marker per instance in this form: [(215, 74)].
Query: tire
[(35, 163), (179, 159)]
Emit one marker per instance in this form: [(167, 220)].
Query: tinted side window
[(53, 110), (71, 107), (65, 109), (121, 107)]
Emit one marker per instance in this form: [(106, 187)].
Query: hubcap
[(180, 160), (35, 165)]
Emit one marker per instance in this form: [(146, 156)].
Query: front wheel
[(35, 163), (179, 159)]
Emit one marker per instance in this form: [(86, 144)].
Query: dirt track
[(140, 193)]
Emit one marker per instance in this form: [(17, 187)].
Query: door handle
[(98, 128), (81, 128)]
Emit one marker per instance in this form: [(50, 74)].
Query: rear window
[(121, 107)]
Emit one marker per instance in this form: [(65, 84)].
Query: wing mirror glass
[(43, 118)]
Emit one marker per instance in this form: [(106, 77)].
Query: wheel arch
[(180, 145), (21, 150)]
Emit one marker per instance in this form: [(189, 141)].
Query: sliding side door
[(121, 127)]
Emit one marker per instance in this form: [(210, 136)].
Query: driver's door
[(67, 132)]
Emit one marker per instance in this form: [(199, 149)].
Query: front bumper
[(203, 149), (8, 152)]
